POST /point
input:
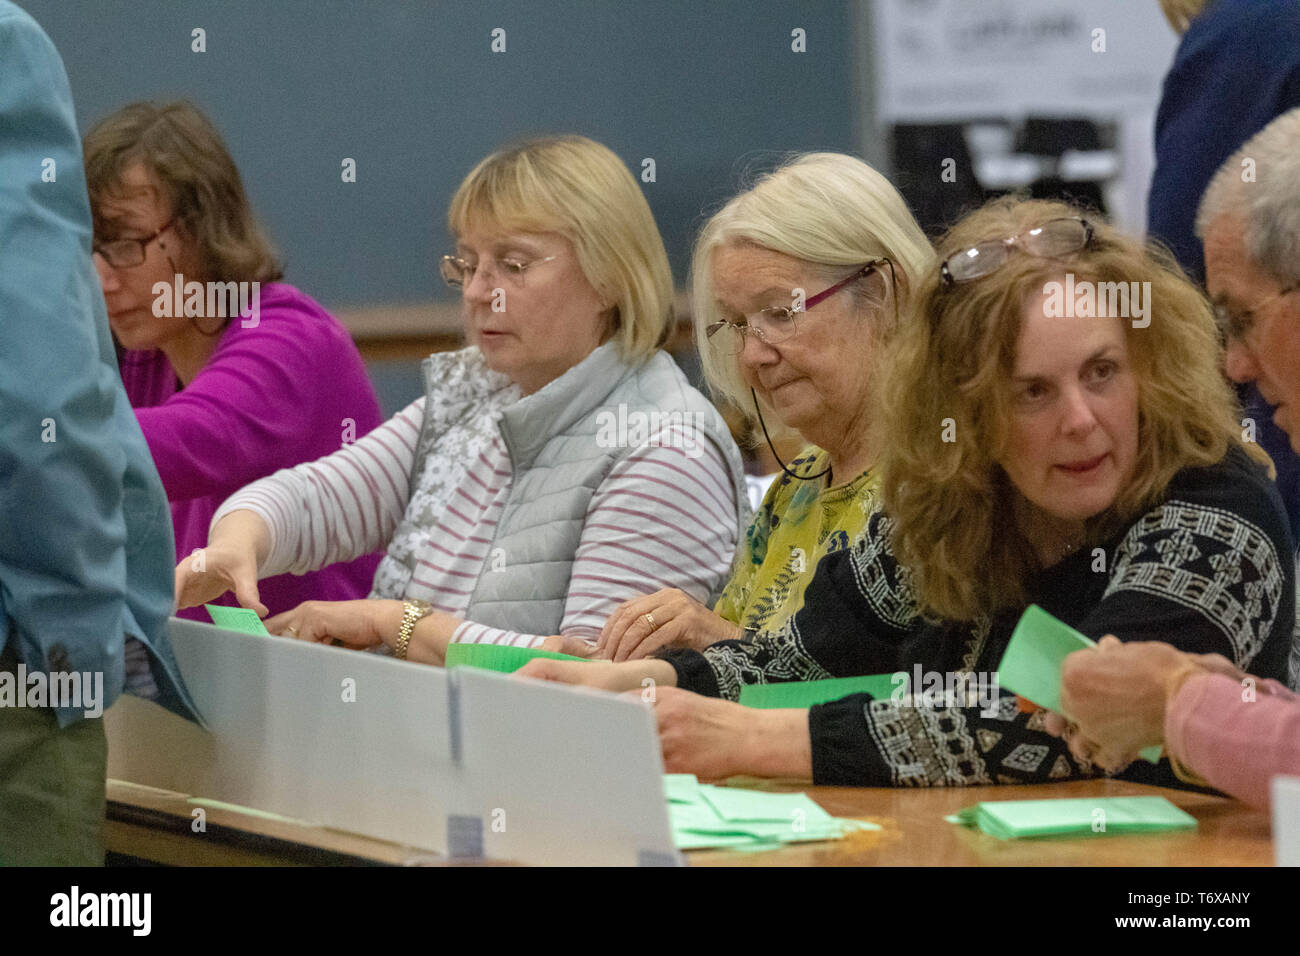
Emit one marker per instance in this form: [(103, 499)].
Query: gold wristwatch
[(413, 611)]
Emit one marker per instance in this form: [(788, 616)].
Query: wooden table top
[(157, 825), (914, 832)]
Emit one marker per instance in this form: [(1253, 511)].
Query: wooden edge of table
[(158, 826)]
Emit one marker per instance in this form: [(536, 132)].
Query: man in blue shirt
[(85, 536)]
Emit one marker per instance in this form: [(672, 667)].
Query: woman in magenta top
[(233, 374)]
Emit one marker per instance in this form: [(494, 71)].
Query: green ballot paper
[(1082, 816), (681, 787), (242, 619), (498, 657), (1031, 666), (808, 693), (706, 816)]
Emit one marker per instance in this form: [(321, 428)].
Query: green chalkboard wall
[(415, 94)]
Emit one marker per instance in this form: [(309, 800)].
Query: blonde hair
[(183, 152), (950, 501), (577, 187), (830, 210), (1181, 13)]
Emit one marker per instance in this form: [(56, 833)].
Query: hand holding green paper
[(240, 619), (1031, 666), (1120, 694)]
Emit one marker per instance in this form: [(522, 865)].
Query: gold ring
[(650, 619), (293, 630)]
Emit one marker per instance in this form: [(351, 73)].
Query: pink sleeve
[(1235, 745)]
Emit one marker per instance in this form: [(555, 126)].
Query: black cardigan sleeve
[(857, 612), (1210, 570), (863, 742), (1207, 570)]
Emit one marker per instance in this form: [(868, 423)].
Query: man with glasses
[(1249, 222), (85, 544)]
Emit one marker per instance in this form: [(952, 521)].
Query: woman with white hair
[(797, 285), (513, 501)]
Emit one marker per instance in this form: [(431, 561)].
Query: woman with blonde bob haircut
[(798, 282), (581, 189), (1046, 441), (556, 467)]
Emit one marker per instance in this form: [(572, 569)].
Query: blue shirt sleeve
[(85, 534)]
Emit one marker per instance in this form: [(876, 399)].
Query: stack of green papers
[(498, 657), (809, 693), (1031, 666), (237, 619), (708, 816), (1084, 816)]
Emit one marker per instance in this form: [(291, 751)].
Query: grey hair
[(1268, 202)]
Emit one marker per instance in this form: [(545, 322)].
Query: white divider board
[(283, 738), (568, 775), (1286, 821), (422, 756)]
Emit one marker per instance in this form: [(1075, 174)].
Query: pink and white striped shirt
[(662, 518)]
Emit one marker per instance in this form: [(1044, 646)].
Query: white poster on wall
[(994, 62)]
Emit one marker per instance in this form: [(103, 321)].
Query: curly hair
[(953, 359)]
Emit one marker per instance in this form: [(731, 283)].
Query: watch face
[(417, 609)]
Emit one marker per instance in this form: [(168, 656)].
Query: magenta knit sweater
[(291, 389)]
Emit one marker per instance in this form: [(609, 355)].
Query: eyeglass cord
[(762, 424)]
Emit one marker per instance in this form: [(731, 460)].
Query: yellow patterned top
[(798, 524)]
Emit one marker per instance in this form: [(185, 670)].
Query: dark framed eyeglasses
[(1052, 240), (1235, 326), (778, 323), (129, 253)]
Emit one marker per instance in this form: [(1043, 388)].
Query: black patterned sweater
[(1208, 570)]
